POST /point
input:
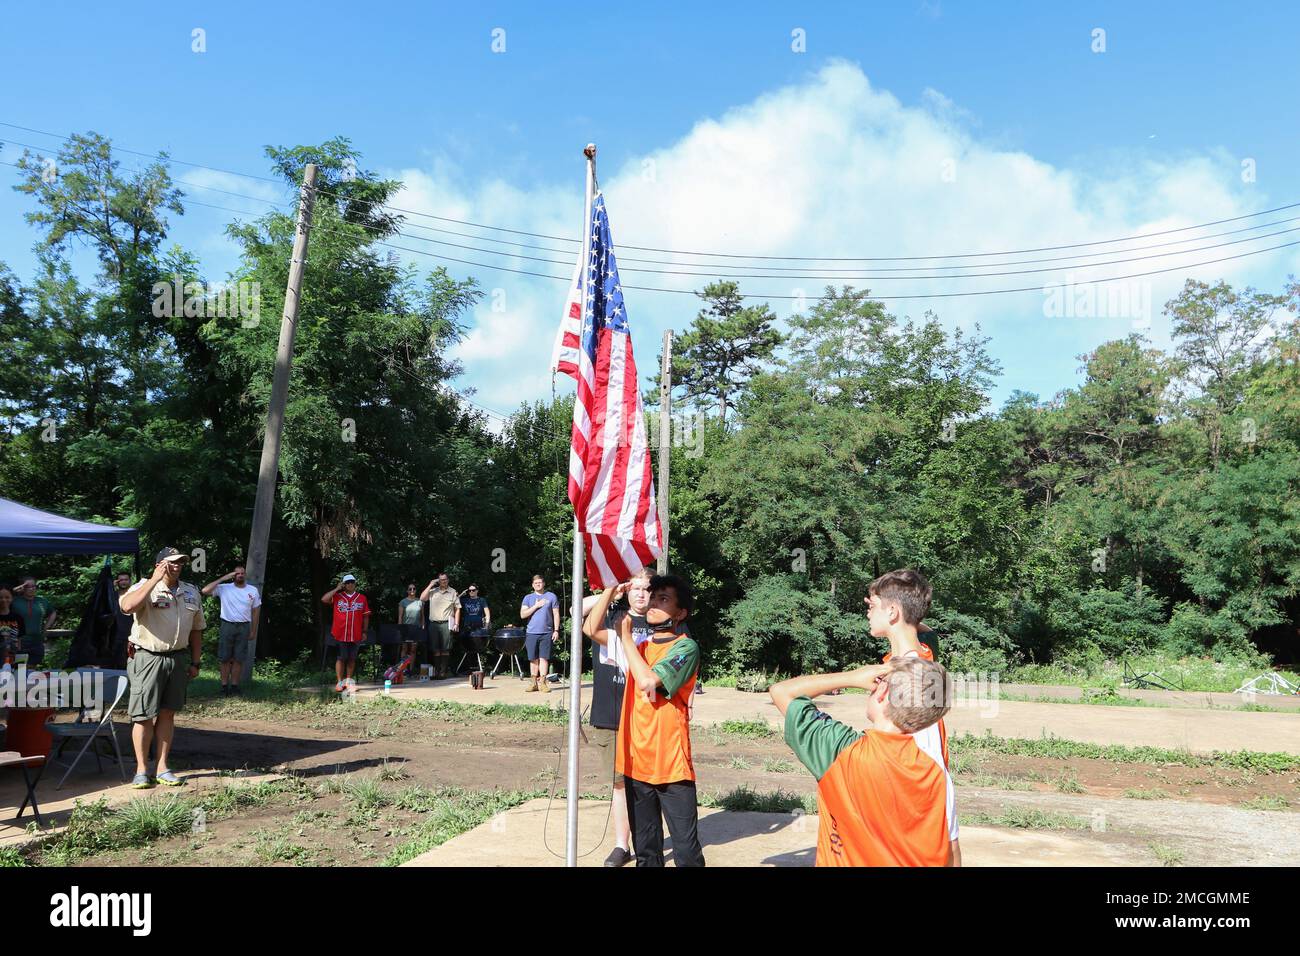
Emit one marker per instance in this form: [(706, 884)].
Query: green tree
[(726, 345)]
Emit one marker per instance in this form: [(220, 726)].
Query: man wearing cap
[(166, 649), (444, 617), (351, 623), (474, 611)]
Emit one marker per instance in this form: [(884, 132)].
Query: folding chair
[(12, 758), (92, 724)]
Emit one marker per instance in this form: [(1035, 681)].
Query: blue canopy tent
[(99, 639), (25, 530)]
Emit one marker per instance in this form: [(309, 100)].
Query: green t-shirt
[(33, 616), (411, 610), (815, 736), (679, 666)]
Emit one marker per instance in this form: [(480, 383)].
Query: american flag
[(610, 483)]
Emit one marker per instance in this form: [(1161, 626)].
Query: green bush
[(967, 644), (1113, 622), (757, 682), (780, 626)]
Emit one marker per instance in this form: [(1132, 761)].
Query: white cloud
[(832, 166)]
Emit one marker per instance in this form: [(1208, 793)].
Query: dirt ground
[(1143, 814)]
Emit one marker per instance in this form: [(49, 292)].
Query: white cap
[(348, 577)]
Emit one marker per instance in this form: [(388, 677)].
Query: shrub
[(778, 626), (968, 644)]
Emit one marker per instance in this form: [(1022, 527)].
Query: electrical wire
[(693, 253)]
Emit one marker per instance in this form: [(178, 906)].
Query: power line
[(156, 156), (930, 295), (899, 297), (568, 239)]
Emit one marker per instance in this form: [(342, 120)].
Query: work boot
[(532, 687), (544, 686)]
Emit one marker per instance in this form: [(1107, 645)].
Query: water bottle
[(388, 686)]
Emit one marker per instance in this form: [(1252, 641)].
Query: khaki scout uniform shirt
[(163, 623), (441, 604)]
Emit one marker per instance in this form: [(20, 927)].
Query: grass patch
[(1068, 782), (1267, 802), (374, 717), (1054, 747), (1167, 855), (997, 782), (1187, 673), (10, 857), (778, 765), (1026, 818), (743, 799), (95, 828), (451, 811), (271, 847), (1133, 793), (749, 729), (739, 763), (1101, 698)]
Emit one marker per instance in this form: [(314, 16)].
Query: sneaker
[(235, 691), (618, 857), (699, 688), (141, 781), (169, 779), (225, 690), (338, 688)]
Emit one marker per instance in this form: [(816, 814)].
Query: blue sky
[(902, 129)]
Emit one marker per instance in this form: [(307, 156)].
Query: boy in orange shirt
[(885, 796), (896, 602), (654, 734)]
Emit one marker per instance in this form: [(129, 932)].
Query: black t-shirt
[(472, 612), (12, 627), (124, 621), (608, 680)]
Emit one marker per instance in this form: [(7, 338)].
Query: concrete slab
[(1196, 730), (533, 835)]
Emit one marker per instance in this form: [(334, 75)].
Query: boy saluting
[(654, 736), (885, 796)]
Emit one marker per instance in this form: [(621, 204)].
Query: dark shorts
[(35, 651), (232, 645), (605, 742), (539, 646), (440, 635), (348, 651), (157, 682)]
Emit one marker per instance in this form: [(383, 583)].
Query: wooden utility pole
[(665, 442), (264, 505)]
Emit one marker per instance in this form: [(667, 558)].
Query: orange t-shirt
[(654, 739), (926, 654), (884, 799)]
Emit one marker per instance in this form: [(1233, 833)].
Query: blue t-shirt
[(541, 621)]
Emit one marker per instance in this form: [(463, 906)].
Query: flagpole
[(575, 640)]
